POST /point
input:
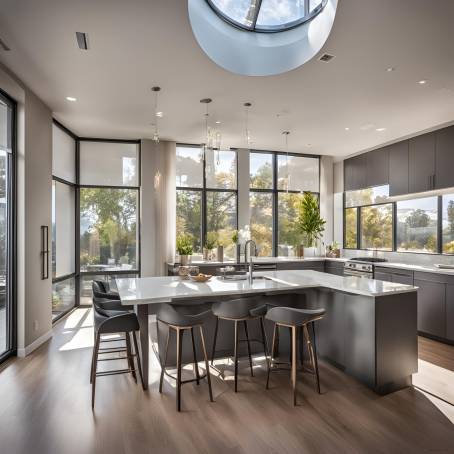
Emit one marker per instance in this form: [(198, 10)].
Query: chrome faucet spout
[(251, 263)]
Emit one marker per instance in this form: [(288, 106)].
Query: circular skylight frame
[(269, 28)]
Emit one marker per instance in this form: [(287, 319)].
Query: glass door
[(7, 124)]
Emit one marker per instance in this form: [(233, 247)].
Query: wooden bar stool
[(180, 323), (238, 311), (296, 320)]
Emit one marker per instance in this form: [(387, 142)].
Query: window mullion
[(258, 4)]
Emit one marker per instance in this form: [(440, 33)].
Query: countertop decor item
[(201, 277), (184, 247)]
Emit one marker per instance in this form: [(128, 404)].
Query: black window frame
[(275, 191), (204, 190), (11, 275)]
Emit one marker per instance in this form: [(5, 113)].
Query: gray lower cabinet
[(310, 265), (431, 305), (383, 276), (333, 267), (392, 275), (450, 312)]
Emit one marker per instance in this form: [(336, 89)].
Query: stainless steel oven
[(361, 267)]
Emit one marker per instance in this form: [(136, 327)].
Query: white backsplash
[(402, 257)]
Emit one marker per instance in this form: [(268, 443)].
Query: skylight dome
[(267, 15)]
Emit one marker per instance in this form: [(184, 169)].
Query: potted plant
[(333, 250), (184, 247), (210, 244), (236, 242), (309, 223)]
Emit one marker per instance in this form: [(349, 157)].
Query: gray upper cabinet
[(422, 163), (377, 167), (398, 168), (444, 158), (355, 172)]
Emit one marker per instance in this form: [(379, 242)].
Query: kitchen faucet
[(251, 264)]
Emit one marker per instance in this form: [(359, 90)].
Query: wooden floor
[(45, 409)]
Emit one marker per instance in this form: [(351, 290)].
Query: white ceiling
[(136, 44)]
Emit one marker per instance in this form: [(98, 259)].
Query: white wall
[(34, 200)]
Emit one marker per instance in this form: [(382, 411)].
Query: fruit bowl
[(201, 277)]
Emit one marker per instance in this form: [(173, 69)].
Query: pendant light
[(208, 136), (157, 113), (286, 134), (247, 132)]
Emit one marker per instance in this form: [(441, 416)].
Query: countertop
[(151, 290), (422, 268), (262, 260)]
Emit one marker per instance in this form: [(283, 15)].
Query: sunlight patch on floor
[(435, 380), (445, 408)]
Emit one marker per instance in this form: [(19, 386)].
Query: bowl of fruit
[(201, 277)]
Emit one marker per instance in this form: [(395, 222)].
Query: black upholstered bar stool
[(296, 320), (181, 323), (113, 321), (101, 289), (238, 311)]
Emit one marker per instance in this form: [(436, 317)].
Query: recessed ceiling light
[(309, 145), (380, 129), (71, 99), (390, 69), (422, 81), (159, 114), (347, 129), (218, 122)]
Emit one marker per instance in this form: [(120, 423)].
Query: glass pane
[(221, 218), (63, 296), (220, 169), (351, 228), (261, 170), (369, 196), (6, 134), (189, 167), (313, 4), (63, 155), (448, 223), (189, 216), (288, 237), (108, 229), (377, 227), (417, 225), (278, 13), (299, 172), (86, 292), (241, 11), (63, 229), (109, 163), (261, 209)]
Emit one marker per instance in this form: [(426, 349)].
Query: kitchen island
[(369, 330)]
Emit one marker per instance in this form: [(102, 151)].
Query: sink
[(240, 277)]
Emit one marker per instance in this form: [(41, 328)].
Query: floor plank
[(45, 408)]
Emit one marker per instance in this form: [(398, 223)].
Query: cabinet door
[(431, 307), (381, 276), (444, 158), (450, 312), (422, 163), (355, 173), (403, 279), (398, 168), (334, 269), (377, 167)]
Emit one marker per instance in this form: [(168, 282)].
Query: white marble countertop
[(151, 290), (414, 267)]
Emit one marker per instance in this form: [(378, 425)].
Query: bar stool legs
[(179, 341), (311, 347), (236, 356)]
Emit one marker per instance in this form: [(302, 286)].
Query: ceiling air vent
[(326, 57), (82, 40), (3, 46)]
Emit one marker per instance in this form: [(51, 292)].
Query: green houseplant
[(184, 247), (309, 222), (210, 243)]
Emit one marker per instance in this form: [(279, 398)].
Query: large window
[(7, 151), (108, 229), (64, 186), (448, 223), (351, 228), (277, 181), (417, 222), (377, 227), (206, 183)]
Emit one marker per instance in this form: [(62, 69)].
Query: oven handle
[(348, 272)]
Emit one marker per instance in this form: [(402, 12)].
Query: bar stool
[(296, 320), (101, 289), (108, 321), (240, 310), (181, 323)]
